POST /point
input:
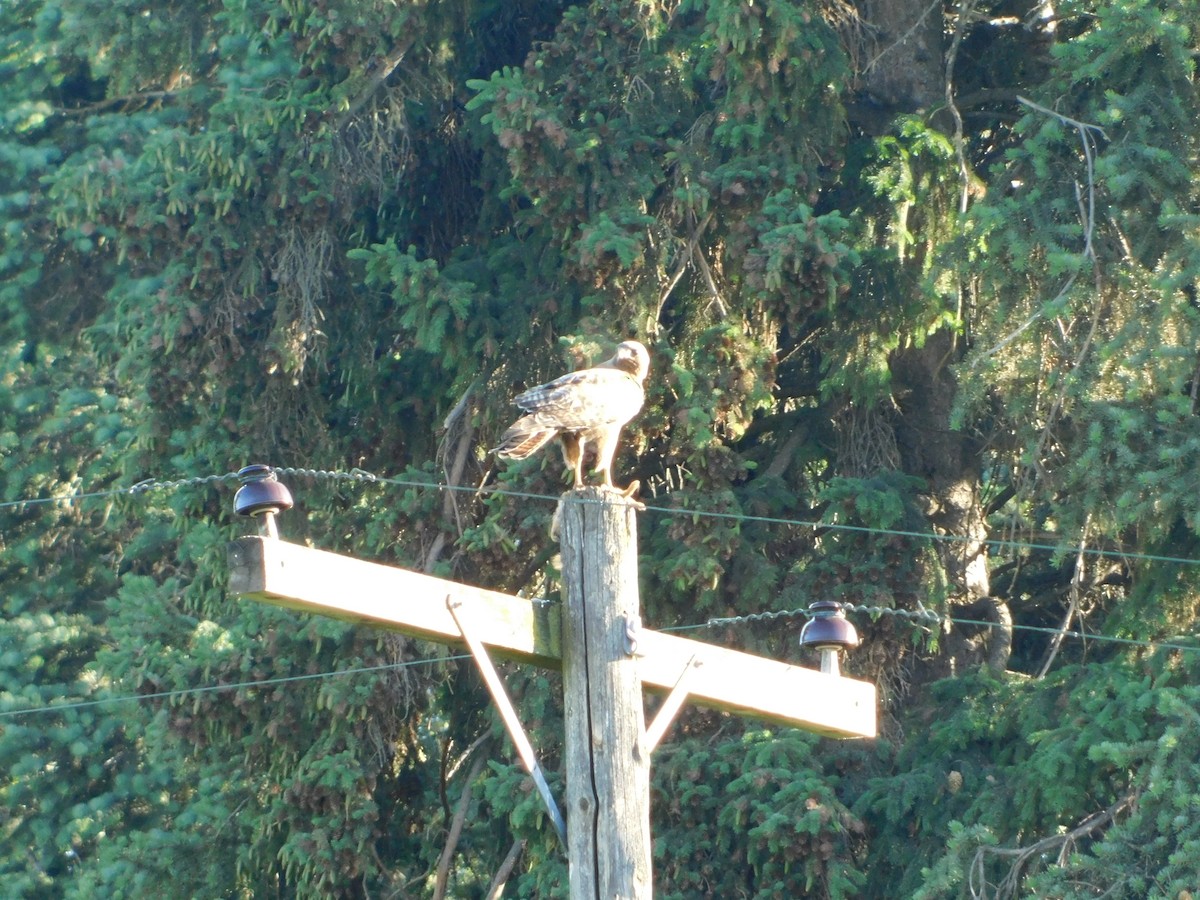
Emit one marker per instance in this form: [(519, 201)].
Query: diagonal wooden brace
[(670, 706), (515, 731)]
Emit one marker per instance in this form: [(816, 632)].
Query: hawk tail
[(523, 439)]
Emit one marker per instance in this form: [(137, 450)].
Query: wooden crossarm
[(317, 581)]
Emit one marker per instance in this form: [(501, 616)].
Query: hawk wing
[(593, 398), (600, 396)]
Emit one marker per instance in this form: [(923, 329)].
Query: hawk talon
[(626, 494), (633, 501)]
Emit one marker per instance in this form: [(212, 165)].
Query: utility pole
[(608, 762), (595, 637)]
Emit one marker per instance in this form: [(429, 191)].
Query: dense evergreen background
[(918, 270)]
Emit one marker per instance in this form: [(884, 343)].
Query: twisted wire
[(919, 615), (363, 476)]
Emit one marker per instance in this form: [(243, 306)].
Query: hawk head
[(631, 357)]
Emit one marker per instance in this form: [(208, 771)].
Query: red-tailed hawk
[(584, 410)]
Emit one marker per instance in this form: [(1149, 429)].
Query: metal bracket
[(633, 625), (515, 731), (671, 706)]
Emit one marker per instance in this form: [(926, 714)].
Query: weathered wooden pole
[(608, 762)]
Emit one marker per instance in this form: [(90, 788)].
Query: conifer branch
[(1087, 212)]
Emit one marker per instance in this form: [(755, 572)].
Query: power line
[(362, 476), (205, 689), (142, 487), (924, 615), (1083, 635), (930, 617)]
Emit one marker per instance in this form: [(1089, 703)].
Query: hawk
[(585, 410)]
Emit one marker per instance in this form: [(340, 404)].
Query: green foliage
[(912, 174), (756, 817), (862, 563), (1092, 355), (337, 234), (1011, 764)]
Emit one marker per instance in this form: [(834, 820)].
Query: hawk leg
[(580, 454)]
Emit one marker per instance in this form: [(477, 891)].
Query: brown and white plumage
[(585, 410)]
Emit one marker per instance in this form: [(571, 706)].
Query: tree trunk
[(903, 68), (924, 387)]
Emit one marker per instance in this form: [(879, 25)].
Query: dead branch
[(506, 867), (459, 430), (450, 769), (1088, 214), (722, 312), (456, 827), (1010, 885), (107, 103), (684, 259), (1074, 594), (377, 80), (965, 8)]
